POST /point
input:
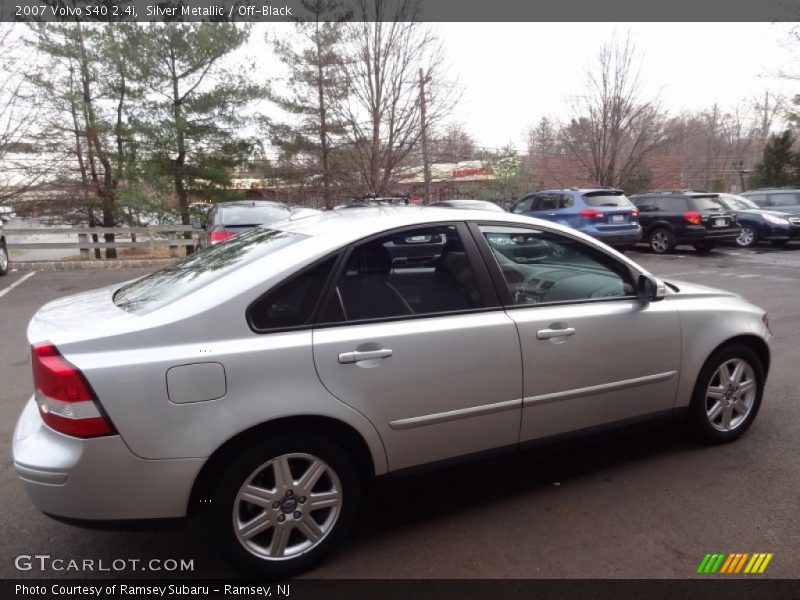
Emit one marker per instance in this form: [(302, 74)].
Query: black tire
[(661, 240), (221, 514), (748, 238), (704, 246), (3, 259), (699, 420)]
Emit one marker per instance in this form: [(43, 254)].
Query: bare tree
[(387, 49), (454, 145), (613, 126), (20, 170)]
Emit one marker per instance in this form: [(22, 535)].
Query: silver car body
[(182, 380)]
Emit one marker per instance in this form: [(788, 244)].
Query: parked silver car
[(264, 380)]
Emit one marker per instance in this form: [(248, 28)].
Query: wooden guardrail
[(161, 235)]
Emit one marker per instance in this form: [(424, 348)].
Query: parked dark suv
[(677, 217)]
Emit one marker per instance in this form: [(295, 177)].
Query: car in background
[(761, 225), (471, 204), (785, 199), (672, 217), (605, 214), (261, 383), (3, 252), (227, 219)]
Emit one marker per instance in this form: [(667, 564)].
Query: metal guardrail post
[(83, 238)]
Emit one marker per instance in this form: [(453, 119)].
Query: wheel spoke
[(746, 386), (738, 371), (283, 475), (715, 393), (724, 375), (715, 411), (324, 499), (740, 407), (309, 528), (727, 415), (255, 526), (279, 540), (258, 496), (311, 476)]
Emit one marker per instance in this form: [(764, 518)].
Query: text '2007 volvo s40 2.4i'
[(264, 380)]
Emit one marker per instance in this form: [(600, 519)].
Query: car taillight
[(66, 401), (693, 217), (220, 236), (591, 213), (635, 212)]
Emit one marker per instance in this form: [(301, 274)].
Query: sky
[(512, 74)]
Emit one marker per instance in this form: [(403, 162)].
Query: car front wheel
[(284, 505), (662, 241), (3, 259), (748, 237), (727, 395)]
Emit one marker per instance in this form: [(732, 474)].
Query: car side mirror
[(650, 289), (197, 224)]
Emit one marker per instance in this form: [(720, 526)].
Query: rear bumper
[(99, 478), (701, 234), (627, 237)]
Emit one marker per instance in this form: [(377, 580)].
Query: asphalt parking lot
[(644, 504)]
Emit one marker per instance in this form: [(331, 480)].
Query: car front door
[(593, 353), (421, 347)]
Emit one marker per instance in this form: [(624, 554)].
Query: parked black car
[(226, 219), (759, 224), (786, 199), (674, 217)]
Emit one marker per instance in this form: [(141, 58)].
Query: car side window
[(541, 267), (414, 272), (567, 201), (676, 204), (783, 199), (546, 201), (523, 205), (292, 303)]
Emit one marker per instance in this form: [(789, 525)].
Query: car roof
[(253, 203), (356, 223)]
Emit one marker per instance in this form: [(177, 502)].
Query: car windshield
[(199, 269), (737, 202), (605, 199), (707, 203), (256, 214)]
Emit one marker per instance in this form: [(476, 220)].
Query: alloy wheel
[(747, 237), (287, 506), (3, 259), (730, 395), (659, 241)]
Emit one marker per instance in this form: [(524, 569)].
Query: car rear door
[(422, 349), (593, 353)]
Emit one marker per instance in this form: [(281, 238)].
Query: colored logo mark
[(737, 562)]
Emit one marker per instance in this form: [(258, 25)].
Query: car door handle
[(347, 358), (546, 334)]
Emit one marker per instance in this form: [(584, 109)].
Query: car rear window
[(606, 199), (706, 203), (251, 215), (199, 269)]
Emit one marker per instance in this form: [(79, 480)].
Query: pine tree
[(779, 163), (316, 83)]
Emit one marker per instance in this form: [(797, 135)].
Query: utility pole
[(426, 165)]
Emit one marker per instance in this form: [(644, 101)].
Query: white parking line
[(19, 282)]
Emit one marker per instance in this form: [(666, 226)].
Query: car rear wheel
[(284, 505), (727, 395), (748, 237), (704, 246), (662, 241), (3, 259)]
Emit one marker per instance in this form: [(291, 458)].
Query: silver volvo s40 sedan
[(264, 380)]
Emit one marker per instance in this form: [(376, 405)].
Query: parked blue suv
[(603, 213)]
